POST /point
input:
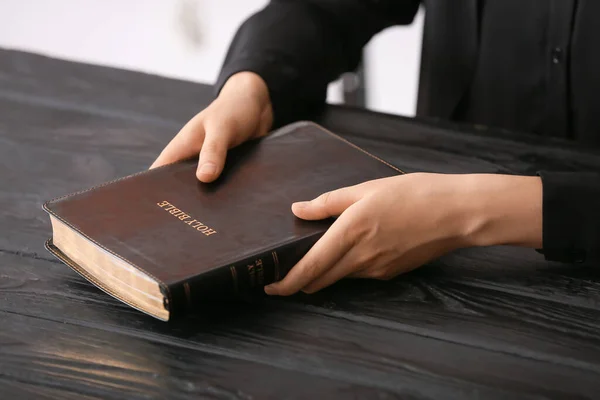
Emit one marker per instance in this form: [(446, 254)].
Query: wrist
[(501, 210), (250, 87), (247, 84)]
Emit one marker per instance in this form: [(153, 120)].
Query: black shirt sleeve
[(571, 216), (299, 46)]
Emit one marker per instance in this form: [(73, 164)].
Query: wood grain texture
[(480, 323), (299, 337)]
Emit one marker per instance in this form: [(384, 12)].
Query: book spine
[(242, 280)]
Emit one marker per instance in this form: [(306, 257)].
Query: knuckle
[(222, 135), (311, 270), (212, 146), (220, 124), (371, 257), (349, 235), (188, 134), (324, 199), (366, 227), (359, 229), (190, 142)]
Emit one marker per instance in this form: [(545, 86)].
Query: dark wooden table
[(486, 323)]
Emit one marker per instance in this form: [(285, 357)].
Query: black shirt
[(529, 54), (521, 78), (535, 69)]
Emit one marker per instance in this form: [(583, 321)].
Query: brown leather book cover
[(196, 241)]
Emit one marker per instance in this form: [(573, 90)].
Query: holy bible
[(161, 241)]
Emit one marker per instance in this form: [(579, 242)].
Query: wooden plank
[(36, 79), (421, 145), (501, 299), (43, 358), (47, 153), (395, 352)]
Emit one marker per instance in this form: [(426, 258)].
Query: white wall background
[(187, 39)]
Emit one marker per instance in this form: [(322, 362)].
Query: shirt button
[(557, 55)]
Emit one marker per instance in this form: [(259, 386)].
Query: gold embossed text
[(186, 218)]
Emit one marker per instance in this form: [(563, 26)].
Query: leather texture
[(247, 210)]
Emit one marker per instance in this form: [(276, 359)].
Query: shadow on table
[(454, 284)]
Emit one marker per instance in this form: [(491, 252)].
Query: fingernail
[(208, 168), (269, 289), (301, 204)]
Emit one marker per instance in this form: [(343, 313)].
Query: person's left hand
[(389, 226)]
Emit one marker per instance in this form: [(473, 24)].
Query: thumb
[(329, 204), (212, 155)]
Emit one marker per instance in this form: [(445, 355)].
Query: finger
[(368, 273), (324, 254), (213, 154), (411, 259), (185, 144), (346, 266), (329, 204), (361, 273)]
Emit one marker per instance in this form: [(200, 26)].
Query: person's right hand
[(241, 112)]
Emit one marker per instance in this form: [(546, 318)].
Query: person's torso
[(535, 68)]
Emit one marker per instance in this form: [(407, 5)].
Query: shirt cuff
[(571, 216)]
